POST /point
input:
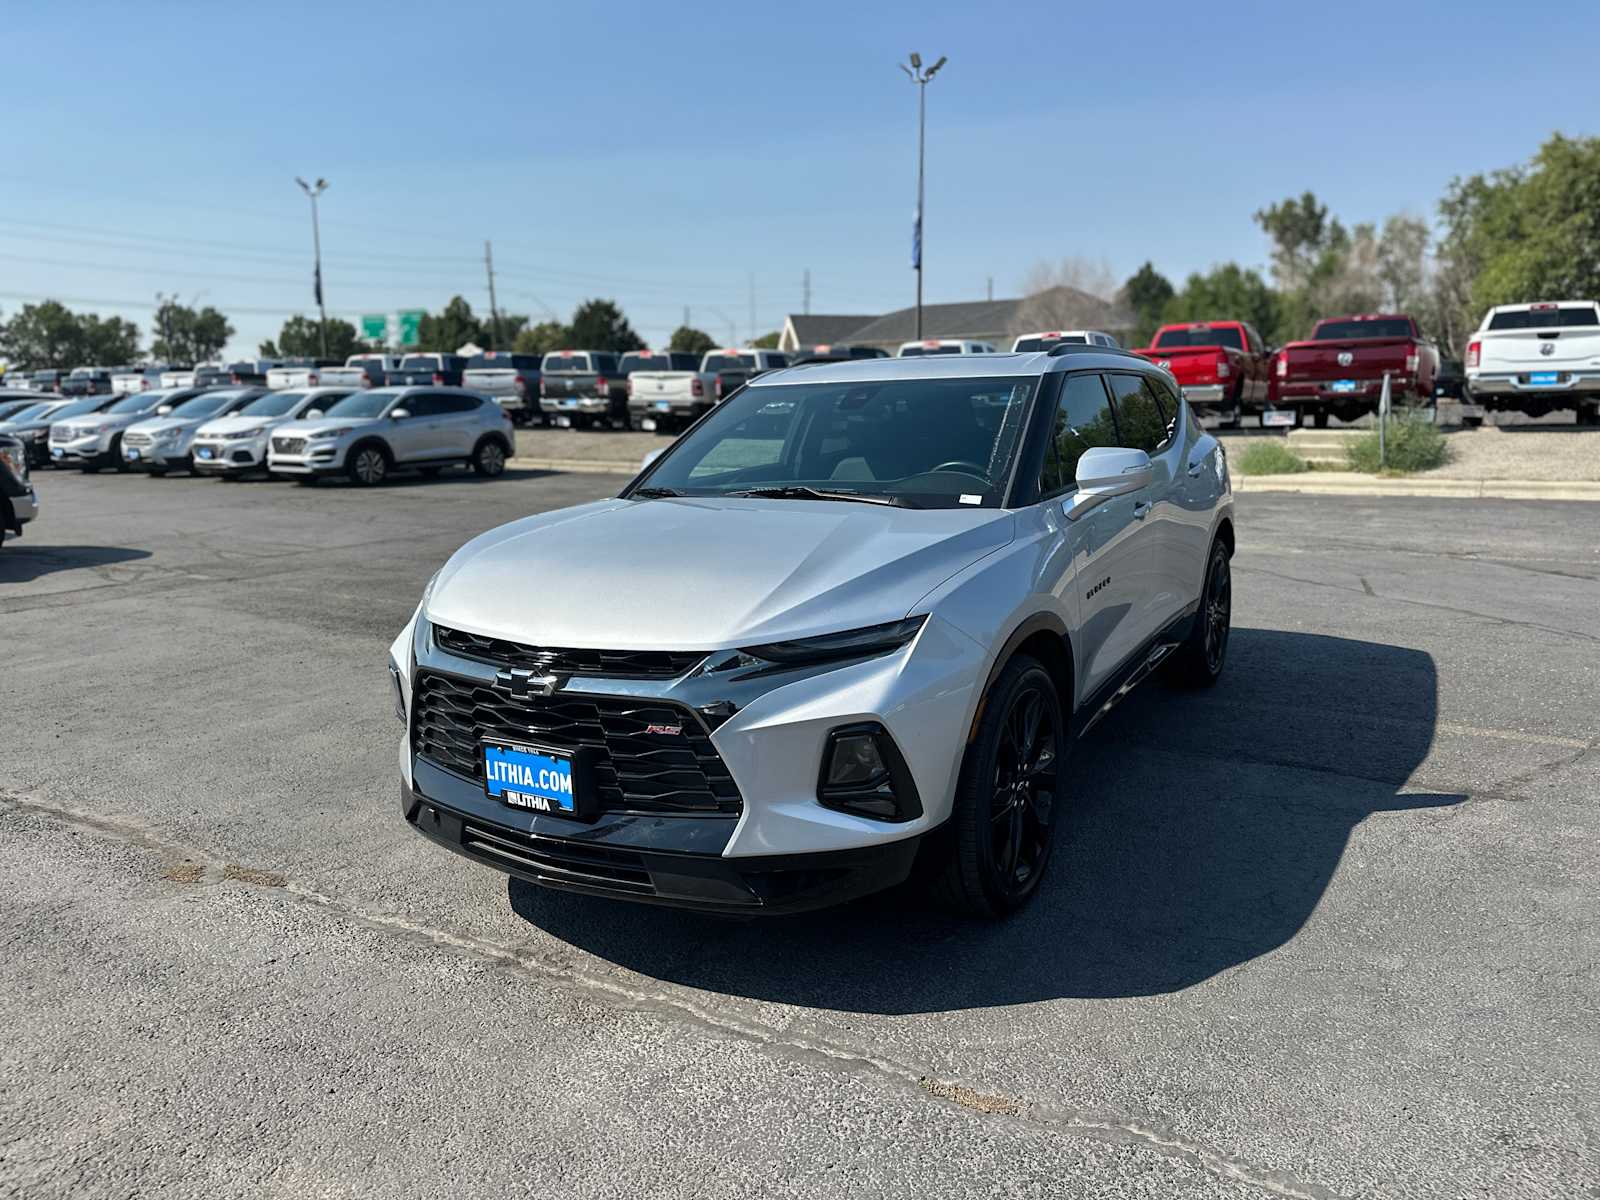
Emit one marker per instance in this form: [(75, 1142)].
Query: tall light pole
[(920, 77), (312, 191)]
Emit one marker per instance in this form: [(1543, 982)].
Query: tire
[(1003, 825), (1198, 662), (367, 464), (489, 459), (116, 455), (1323, 417), (158, 472)]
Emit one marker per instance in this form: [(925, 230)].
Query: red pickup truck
[(1340, 369), (1222, 366)]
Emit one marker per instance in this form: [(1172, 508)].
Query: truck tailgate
[(1191, 365), (1524, 349), (1368, 358), (497, 381), (665, 385)]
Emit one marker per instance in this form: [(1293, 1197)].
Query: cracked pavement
[(1327, 931)]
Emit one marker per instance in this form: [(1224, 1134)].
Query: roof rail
[(1079, 348)]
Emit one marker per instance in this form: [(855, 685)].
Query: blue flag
[(916, 241)]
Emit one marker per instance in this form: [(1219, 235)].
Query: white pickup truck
[(1536, 358), (669, 400), (360, 370)]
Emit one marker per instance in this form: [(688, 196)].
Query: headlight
[(234, 435), (323, 435), (854, 643), (17, 458)]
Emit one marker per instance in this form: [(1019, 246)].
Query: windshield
[(1044, 343), (137, 402), (28, 413), (1545, 318), (362, 404), (274, 404), (1340, 331), (935, 443), (1177, 339), (206, 405)]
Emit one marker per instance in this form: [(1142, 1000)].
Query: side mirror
[(1107, 471), (163, 409), (312, 414), (399, 414)]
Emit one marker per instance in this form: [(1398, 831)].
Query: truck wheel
[(1007, 801), (1198, 662), (1322, 417)]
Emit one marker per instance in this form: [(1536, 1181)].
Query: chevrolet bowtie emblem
[(521, 682)]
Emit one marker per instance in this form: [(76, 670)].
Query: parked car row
[(309, 433)]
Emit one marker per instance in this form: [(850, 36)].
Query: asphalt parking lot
[(1330, 930)]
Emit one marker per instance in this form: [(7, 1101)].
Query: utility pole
[(991, 288), (920, 77), (312, 191), (494, 310), (805, 306), (752, 336), (686, 316)]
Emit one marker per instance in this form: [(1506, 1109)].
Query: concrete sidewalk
[(1329, 483)]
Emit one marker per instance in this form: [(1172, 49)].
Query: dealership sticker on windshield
[(528, 778)]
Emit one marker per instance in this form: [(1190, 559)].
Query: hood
[(702, 574), (159, 425), (322, 425), (229, 424)]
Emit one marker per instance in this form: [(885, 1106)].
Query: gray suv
[(371, 433)]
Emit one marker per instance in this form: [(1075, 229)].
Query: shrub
[(1269, 458), (1414, 444)]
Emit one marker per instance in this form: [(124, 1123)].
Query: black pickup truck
[(440, 370), (733, 369), (583, 388)]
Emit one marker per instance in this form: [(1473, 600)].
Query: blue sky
[(668, 156)]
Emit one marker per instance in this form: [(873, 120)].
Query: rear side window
[(459, 404), (423, 406), (1083, 420), (1545, 318), (1341, 331), (605, 363), (1140, 419)]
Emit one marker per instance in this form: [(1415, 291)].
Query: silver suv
[(163, 442), (857, 615), (94, 440), (371, 433), (236, 445)]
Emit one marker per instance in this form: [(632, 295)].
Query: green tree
[(183, 335), (1228, 292), (767, 341), (301, 337), (42, 336), (107, 342), (454, 327), (1303, 235), (1147, 293), (600, 325), (543, 338), (688, 340), (1527, 233)]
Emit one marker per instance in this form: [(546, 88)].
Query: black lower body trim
[(628, 858)]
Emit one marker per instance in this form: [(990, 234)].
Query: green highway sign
[(375, 327), (410, 322)]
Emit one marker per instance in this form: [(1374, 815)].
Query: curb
[(574, 465), (1450, 489)]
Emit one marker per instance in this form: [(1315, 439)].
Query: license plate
[(1277, 418), (529, 777), (58, 453), (1344, 385), (203, 452), (569, 404), (663, 406), (648, 424), (133, 456), (1543, 379)]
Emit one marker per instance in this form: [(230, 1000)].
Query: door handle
[(1142, 509), (1196, 467)]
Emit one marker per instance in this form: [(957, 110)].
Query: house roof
[(814, 329)]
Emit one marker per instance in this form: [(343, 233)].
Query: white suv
[(927, 347), (856, 615), (373, 432), (236, 445)]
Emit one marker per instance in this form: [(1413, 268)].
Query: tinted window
[(457, 405), (1545, 318), (424, 405), (919, 351), (420, 362), (937, 443), (565, 363), (1342, 331), (729, 362), (644, 362), (774, 361), (275, 404), (1175, 339), (362, 404), (1029, 344), (1083, 420), (1140, 421), (684, 362)]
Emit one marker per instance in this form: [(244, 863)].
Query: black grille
[(289, 445), (612, 664), (617, 869), (635, 772)]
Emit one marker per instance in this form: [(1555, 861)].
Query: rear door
[(1142, 424), (459, 424), (419, 434)]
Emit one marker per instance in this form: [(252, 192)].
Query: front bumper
[(96, 449), (316, 459), (25, 507), (169, 456), (755, 855), (229, 458)]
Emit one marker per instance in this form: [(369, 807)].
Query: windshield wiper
[(653, 493), (799, 491)]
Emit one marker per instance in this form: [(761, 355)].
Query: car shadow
[(21, 561), (1204, 829)]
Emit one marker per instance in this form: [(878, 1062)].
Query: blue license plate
[(133, 455), (203, 452), (58, 454), (527, 777), (1543, 379), (663, 406), (569, 404), (1344, 385)]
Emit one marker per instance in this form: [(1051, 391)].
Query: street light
[(920, 77), (312, 191)]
